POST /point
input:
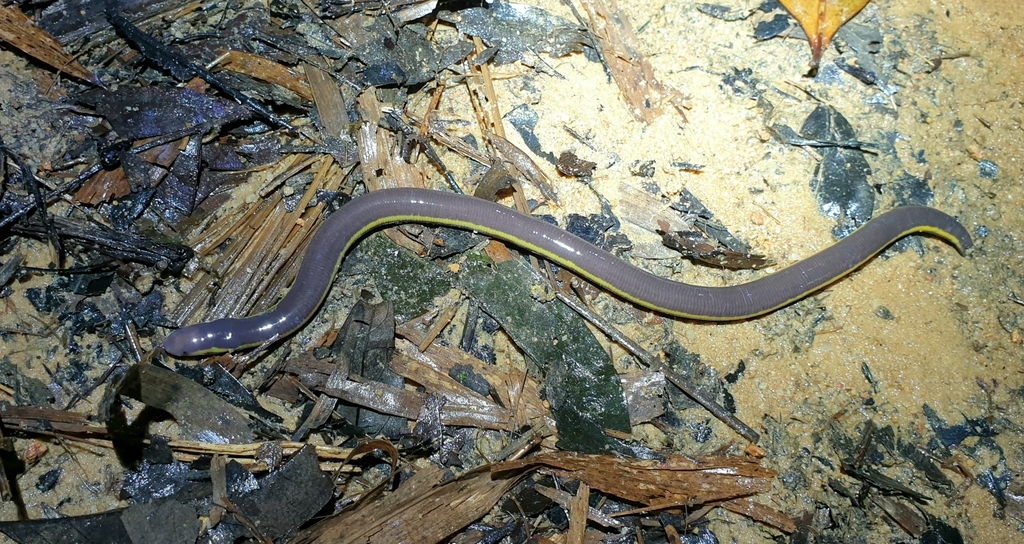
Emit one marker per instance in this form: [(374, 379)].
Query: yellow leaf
[(821, 19)]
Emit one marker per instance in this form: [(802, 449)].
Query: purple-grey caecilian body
[(392, 206)]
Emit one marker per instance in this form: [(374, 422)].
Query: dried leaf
[(267, 70), (821, 19), (461, 403), (105, 186), (514, 388), (19, 31), (330, 104)]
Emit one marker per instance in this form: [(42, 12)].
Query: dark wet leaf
[(840, 182), (941, 533), (401, 56), (218, 380), (518, 32), (364, 347), (515, 530), (143, 312), (223, 157), (115, 244), (28, 391), (72, 20), (780, 24), (184, 173), (724, 12), (583, 388), (182, 67), (137, 113), (152, 481), (90, 284), (46, 299), (10, 269), (404, 11), (1014, 499), (288, 497), (995, 480), (951, 435), (524, 119), (911, 190), (691, 206), (163, 522), (525, 498), (925, 464), (987, 169), (409, 282), (465, 375), (48, 480), (689, 367), (855, 69), (105, 528), (787, 135), (598, 229), (201, 414), (881, 481)]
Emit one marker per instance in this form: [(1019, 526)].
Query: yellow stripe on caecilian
[(370, 212)]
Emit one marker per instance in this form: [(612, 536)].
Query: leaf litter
[(395, 434)]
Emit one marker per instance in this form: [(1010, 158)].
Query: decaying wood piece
[(578, 510), (424, 510), (646, 96), (49, 421), (514, 388), (675, 482), (380, 157), (762, 513)]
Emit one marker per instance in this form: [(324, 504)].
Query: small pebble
[(35, 451), (988, 169), (974, 152)]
